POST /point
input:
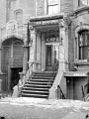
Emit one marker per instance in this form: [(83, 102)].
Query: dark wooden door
[(49, 56)]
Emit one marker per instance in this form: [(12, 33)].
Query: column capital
[(62, 23)]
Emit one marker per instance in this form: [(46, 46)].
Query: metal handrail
[(26, 76), (61, 93)]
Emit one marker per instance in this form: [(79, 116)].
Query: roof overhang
[(45, 20), (46, 17)]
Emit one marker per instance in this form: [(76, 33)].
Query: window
[(83, 2), (52, 7), (83, 44), (19, 17)]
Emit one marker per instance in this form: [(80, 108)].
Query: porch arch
[(12, 59)]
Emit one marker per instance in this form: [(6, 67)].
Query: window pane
[(19, 17), (52, 2), (85, 52), (83, 2), (53, 10)]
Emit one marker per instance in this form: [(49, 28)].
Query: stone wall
[(40, 7)]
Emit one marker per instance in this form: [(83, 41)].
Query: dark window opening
[(15, 76)]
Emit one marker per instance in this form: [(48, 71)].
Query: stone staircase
[(38, 86)]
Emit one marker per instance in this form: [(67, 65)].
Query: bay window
[(83, 44)]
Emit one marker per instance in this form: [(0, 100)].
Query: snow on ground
[(51, 103), (36, 108)]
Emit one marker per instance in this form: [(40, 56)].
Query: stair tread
[(35, 91), (37, 79), (41, 77), (34, 95), (38, 86), (34, 88), (35, 84), (45, 72), (40, 83)]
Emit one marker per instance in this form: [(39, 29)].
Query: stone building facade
[(58, 31)]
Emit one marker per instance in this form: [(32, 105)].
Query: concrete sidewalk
[(35, 108)]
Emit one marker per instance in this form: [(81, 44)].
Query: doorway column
[(63, 50), (33, 47), (25, 59), (43, 53)]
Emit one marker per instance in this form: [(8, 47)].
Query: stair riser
[(38, 86)]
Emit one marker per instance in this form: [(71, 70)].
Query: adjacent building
[(51, 34)]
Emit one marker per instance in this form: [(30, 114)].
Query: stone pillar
[(33, 47), (25, 59), (0, 60), (0, 56), (43, 53), (63, 49)]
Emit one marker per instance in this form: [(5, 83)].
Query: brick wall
[(40, 7), (27, 6), (66, 6), (2, 12)]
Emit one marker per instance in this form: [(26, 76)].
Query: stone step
[(42, 77), (34, 95), (34, 88), (35, 85), (38, 86), (44, 74), (47, 75), (35, 91), (39, 82)]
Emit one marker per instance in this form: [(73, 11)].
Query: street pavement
[(36, 108)]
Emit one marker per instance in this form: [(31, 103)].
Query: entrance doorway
[(14, 77), (51, 57)]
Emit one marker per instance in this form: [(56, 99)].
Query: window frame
[(87, 46), (16, 12), (50, 5), (79, 3)]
